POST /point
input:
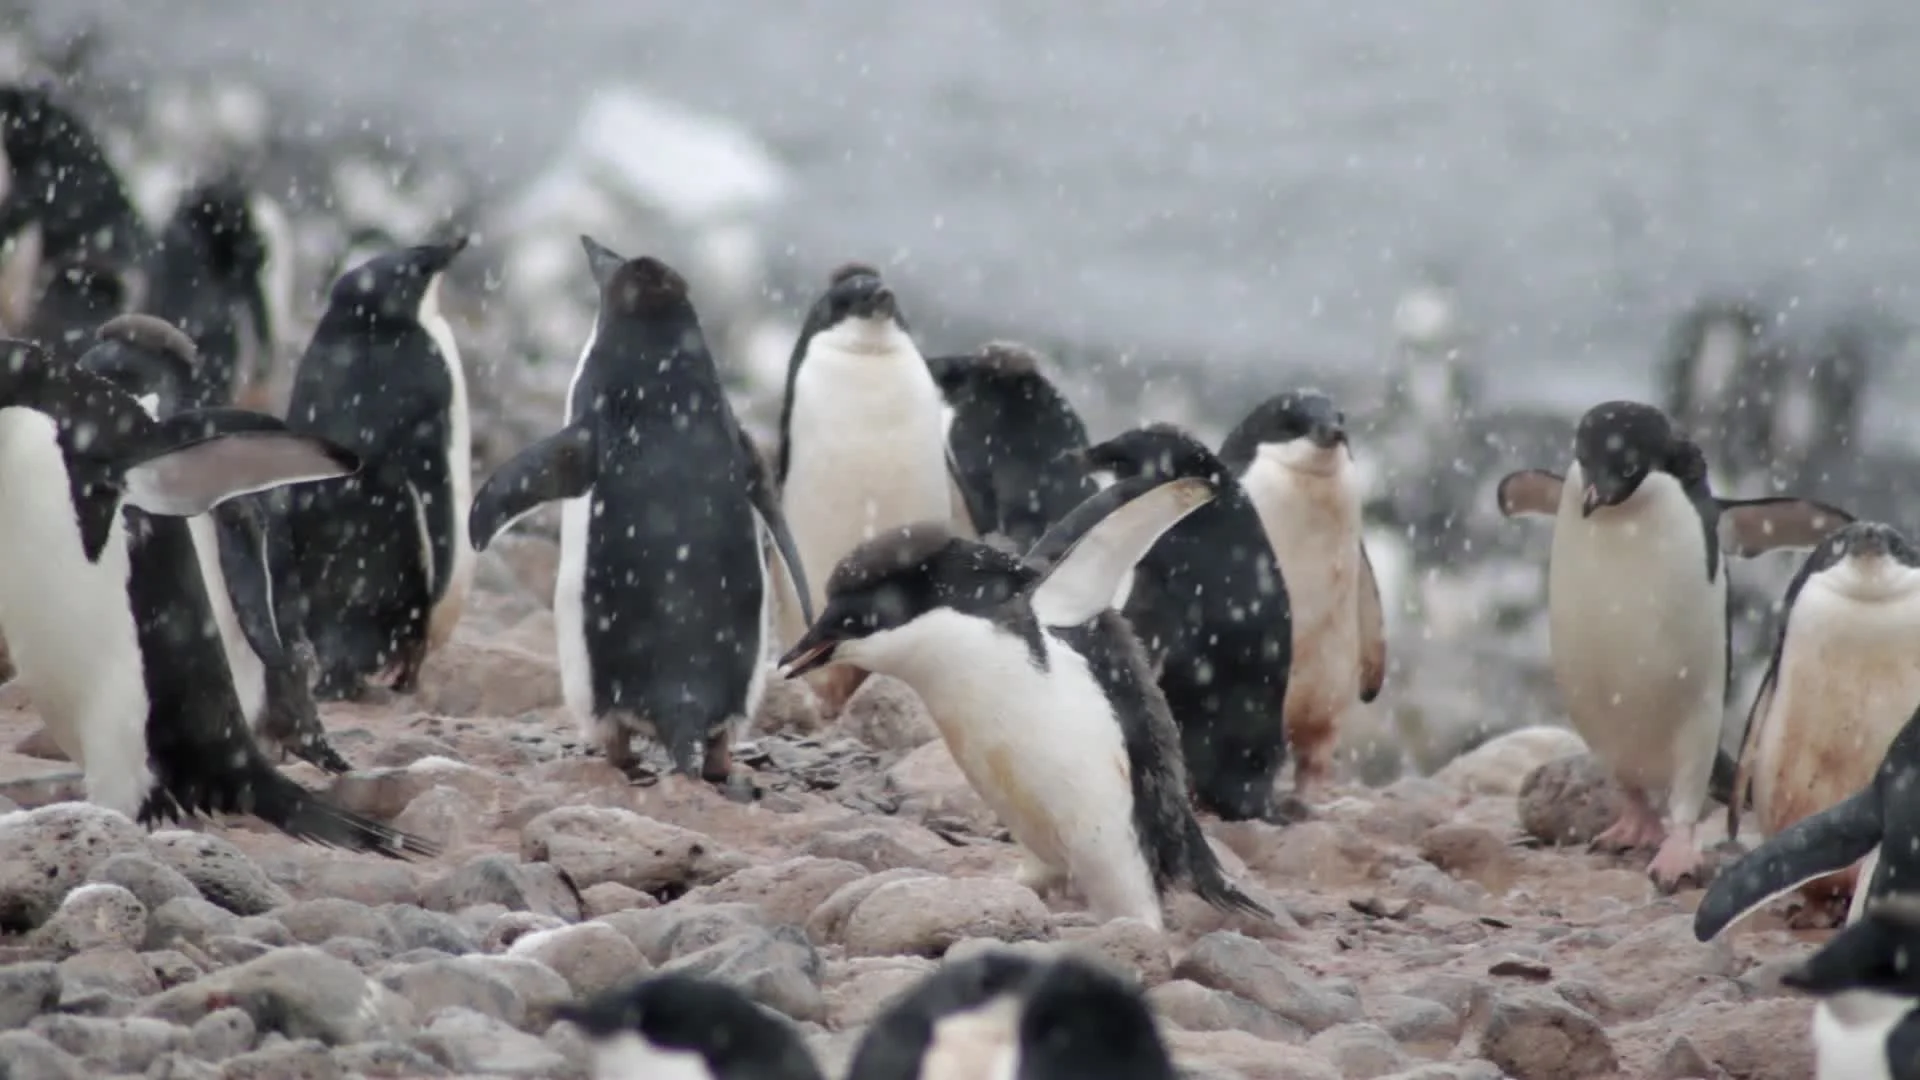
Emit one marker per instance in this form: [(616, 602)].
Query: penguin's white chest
[(1638, 631), (634, 1057), (69, 622), (1849, 679), (1313, 522), (249, 675), (459, 452), (1850, 1032), (865, 449)]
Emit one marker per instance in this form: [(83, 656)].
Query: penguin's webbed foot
[(1287, 810), (1678, 861), (1638, 827)]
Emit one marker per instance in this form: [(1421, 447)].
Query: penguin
[(381, 558), (1720, 375), (1210, 604), (80, 297), (1865, 1026), (1011, 435), (1004, 1015), (206, 273), (1637, 610), (662, 605), (1843, 677), (1292, 457), (675, 1026), (1040, 690), (104, 609), (1874, 826), (861, 443), (153, 362)]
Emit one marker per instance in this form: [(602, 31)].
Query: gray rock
[(591, 956), (97, 917), (873, 848), (418, 928), (787, 891), (541, 989), (611, 896), (373, 884), (222, 1034), (31, 1057), (829, 921), (116, 1046), (222, 872), (26, 991), (592, 844), (513, 925), (886, 714), (119, 972), (1536, 1036), (146, 877), (1229, 961), (471, 1042), (1415, 1020), (226, 950), (1186, 1004), (1431, 885), (1569, 800), (46, 852), (385, 1059), (1359, 1051), (187, 921), (180, 1066), (1130, 946), (172, 968), (455, 983), (441, 814), (500, 879), (681, 929), (300, 992), (1459, 1070), (306, 1059), (923, 916), (779, 969), (264, 929), (314, 922), (361, 953)]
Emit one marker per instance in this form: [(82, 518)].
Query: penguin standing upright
[(862, 448), (1210, 605), (1637, 610), (662, 605), (81, 295), (104, 609), (1292, 457), (381, 558), (205, 274)]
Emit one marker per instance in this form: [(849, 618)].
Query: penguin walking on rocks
[(1210, 605), (1637, 610), (1040, 690), (1002, 1014), (1012, 438), (205, 277), (104, 609), (381, 558), (235, 545), (662, 604), (1293, 459), (675, 1026), (1867, 1025), (862, 446)]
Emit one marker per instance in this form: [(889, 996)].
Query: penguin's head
[(1001, 364), (858, 313), (147, 358), (1880, 954), (28, 119), (217, 218), (393, 285), (684, 1026), (1299, 429), (1868, 560), (1617, 445), (1156, 452), (642, 288)]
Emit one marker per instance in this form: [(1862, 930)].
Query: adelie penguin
[(1294, 461), (1010, 1017), (103, 605), (662, 605), (1210, 606), (1040, 690), (681, 1027), (862, 448), (1637, 611), (1865, 1026), (80, 297), (236, 550), (205, 274), (1012, 438), (381, 558)]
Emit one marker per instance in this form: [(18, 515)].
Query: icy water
[(1228, 183)]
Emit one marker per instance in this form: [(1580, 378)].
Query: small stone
[(386, 1059), (876, 849), (592, 844), (1429, 885), (361, 953), (116, 1046), (440, 984), (1500, 765), (97, 917), (418, 928), (223, 1033), (922, 916), (119, 972), (1241, 965), (1189, 1005), (1682, 1061), (408, 749), (172, 968), (778, 968), (441, 814), (787, 892), (513, 926), (1359, 1051), (828, 921), (504, 880), (1535, 1036), (26, 991), (305, 1059), (146, 877), (30, 1057), (681, 929), (222, 872), (541, 989), (886, 714), (189, 921), (263, 929), (299, 992), (44, 853), (383, 794), (371, 883), (611, 896), (788, 707), (1569, 800), (316, 922), (591, 956), (1472, 852), (1415, 1020), (1131, 946), (471, 1042), (180, 1066)]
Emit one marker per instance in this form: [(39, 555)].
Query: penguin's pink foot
[(1638, 827), (1677, 860)]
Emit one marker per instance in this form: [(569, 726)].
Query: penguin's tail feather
[(268, 794), (1210, 881)]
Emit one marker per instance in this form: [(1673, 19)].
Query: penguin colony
[(1109, 636)]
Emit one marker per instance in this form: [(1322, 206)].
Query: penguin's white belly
[(249, 674), (1638, 632), (865, 454), (1850, 1033), (1043, 750), (459, 453), (570, 612), (1849, 680), (69, 622), (1313, 524), (633, 1057)]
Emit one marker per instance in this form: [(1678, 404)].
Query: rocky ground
[(1425, 932)]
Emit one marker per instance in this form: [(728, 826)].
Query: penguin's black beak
[(1601, 491), (813, 651), (1327, 434), (433, 258), (877, 303), (1868, 544)]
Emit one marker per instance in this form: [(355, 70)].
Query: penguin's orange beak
[(812, 652)]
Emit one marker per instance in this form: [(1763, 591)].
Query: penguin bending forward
[(1637, 610), (104, 609), (662, 605), (381, 558), (1040, 690)]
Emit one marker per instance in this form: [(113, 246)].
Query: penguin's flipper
[(560, 466), (602, 260), (1735, 796), (202, 461), (1373, 631), (1529, 491), (1814, 846), (1750, 527), (1084, 558), (243, 560), (766, 503)]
